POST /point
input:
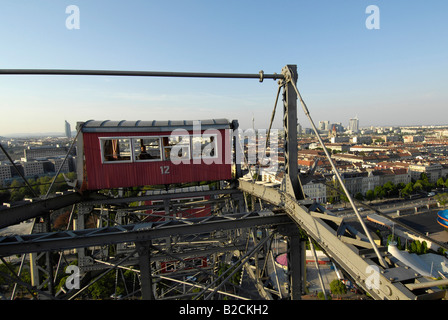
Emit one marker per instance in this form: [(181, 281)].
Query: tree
[(359, 196), (321, 296), (412, 247), (370, 195), (424, 247), (61, 221), (5, 195), (25, 276), (441, 198), (440, 183), (338, 287), (441, 251), (399, 246), (390, 188), (418, 186), (401, 186), (418, 247), (424, 181), (380, 192), (16, 191), (224, 268), (390, 238), (344, 198), (408, 190), (111, 284)]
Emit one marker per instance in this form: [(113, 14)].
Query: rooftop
[(151, 125)]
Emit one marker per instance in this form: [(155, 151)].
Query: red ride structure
[(116, 154)]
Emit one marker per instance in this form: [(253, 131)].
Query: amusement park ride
[(175, 237)]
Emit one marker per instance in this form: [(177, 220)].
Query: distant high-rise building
[(324, 125), (68, 130), (338, 126), (334, 132), (353, 125), (299, 129)]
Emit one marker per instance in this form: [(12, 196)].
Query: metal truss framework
[(72, 239), (353, 251), (33, 208), (141, 245)]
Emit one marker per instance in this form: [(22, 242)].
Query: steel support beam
[(144, 257), (296, 262), (359, 268), (161, 196), (296, 257), (293, 185), (36, 208), (64, 240), (41, 265)]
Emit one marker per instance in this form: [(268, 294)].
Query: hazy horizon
[(62, 133)]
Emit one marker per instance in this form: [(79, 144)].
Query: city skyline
[(391, 76), (322, 125)]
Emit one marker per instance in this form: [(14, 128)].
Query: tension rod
[(261, 75), (338, 176)]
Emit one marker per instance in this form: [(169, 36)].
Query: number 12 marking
[(165, 169)]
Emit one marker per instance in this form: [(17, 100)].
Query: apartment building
[(316, 190), (432, 170), (5, 173), (56, 163), (412, 138), (362, 181), (33, 168), (44, 152)]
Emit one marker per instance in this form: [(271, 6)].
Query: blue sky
[(396, 75)]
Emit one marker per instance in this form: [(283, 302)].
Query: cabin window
[(195, 200), (147, 149), (204, 147), (170, 266), (176, 148), (198, 262), (160, 206), (118, 149)]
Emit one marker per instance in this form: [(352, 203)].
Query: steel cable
[(338, 176)]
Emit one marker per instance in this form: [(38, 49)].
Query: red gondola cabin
[(114, 154)]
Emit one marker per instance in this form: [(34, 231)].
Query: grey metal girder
[(360, 269), (36, 208), (39, 207), (56, 241)]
